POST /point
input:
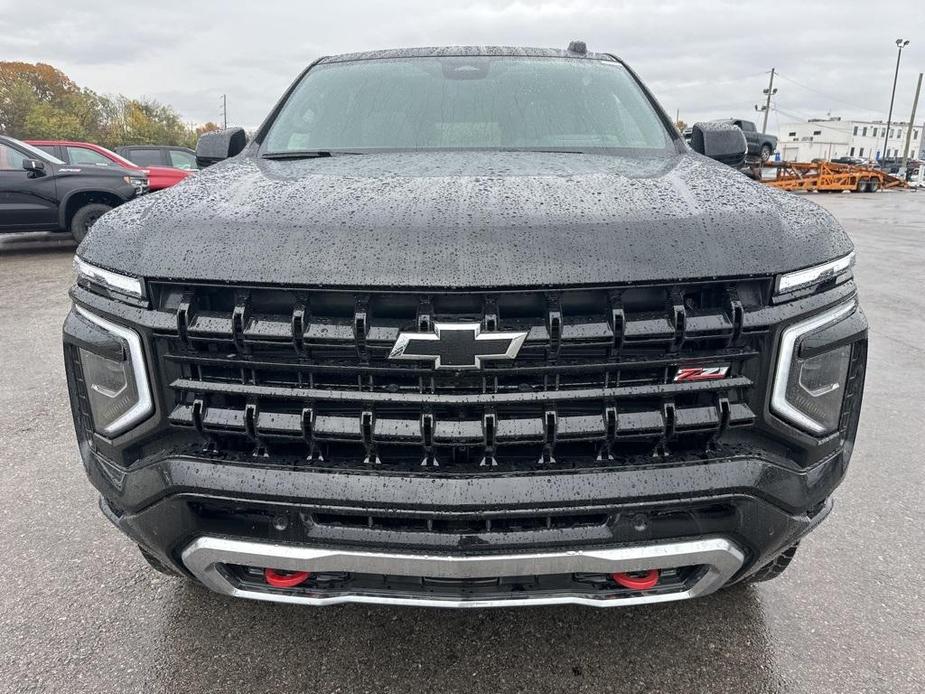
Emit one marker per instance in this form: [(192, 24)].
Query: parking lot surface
[(80, 611)]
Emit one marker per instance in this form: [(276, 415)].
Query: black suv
[(39, 192), (467, 327), (160, 155)]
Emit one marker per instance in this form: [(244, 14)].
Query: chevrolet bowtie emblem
[(457, 346)]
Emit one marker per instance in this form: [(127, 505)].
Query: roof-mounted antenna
[(579, 47)]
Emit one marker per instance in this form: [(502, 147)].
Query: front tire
[(84, 219), (765, 152)]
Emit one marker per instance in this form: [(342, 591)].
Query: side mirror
[(721, 141), (35, 167), (219, 145)]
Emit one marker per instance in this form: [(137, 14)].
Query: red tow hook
[(635, 581), (285, 579)]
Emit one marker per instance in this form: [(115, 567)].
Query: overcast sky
[(706, 59)]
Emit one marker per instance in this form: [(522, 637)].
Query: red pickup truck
[(88, 154)]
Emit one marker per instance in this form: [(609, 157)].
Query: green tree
[(46, 122), (17, 101), (41, 102)]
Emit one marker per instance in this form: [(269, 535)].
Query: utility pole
[(900, 44), (225, 111), (769, 92), (915, 102)]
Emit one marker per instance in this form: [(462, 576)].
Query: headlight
[(139, 183), (117, 390), (808, 392), (111, 282), (791, 281)]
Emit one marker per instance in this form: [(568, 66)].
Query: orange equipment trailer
[(826, 176)]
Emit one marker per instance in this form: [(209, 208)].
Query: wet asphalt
[(80, 611)]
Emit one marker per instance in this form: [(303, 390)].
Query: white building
[(833, 137)]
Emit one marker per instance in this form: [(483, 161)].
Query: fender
[(62, 205)]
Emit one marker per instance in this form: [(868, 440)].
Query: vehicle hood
[(464, 220)]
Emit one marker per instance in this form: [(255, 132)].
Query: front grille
[(286, 374), (460, 525), (290, 523)]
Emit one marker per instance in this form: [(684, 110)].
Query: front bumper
[(208, 558), (709, 523)]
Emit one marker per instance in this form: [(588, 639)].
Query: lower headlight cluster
[(808, 391), (117, 389), (139, 183)]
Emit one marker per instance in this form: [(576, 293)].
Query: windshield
[(483, 102), (35, 152), (121, 161)]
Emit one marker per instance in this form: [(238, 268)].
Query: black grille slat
[(617, 323), (678, 319), (546, 430), (460, 525), (554, 328), (520, 365), (306, 372), (536, 396)]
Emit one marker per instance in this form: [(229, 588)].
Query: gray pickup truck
[(759, 144)]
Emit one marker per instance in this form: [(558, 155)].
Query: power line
[(820, 124), (828, 96), (667, 88), (849, 132), (795, 113)]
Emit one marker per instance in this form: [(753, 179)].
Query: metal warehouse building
[(833, 137)]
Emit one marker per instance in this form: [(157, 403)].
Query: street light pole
[(915, 103), (900, 44)]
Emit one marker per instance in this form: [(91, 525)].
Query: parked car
[(759, 144), (39, 192), (501, 338), (890, 165), (88, 154), (916, 176), (160, 155), (854, 161)]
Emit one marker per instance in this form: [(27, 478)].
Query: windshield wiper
[(306, 154), (543, 151)]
